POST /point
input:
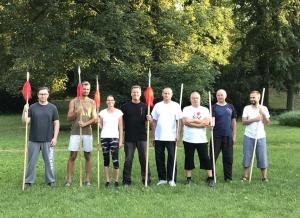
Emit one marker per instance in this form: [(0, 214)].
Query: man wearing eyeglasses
[(87, 110), (44, 128)]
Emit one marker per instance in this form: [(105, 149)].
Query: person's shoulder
[(187, 107), (203, 108), (118, 111), (102, 111), (52, 105)]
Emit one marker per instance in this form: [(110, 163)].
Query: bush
[(290, 119)]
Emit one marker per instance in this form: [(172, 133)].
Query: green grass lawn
[(278, 198)]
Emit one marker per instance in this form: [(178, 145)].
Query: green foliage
[(290, 119), (117, 40)]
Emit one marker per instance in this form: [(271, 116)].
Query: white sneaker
[(162, 182), (172, 183)]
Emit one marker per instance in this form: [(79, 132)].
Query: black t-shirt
[(134, 121), (42, 119)]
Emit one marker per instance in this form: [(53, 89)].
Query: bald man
[(224, 129), (165, 115)]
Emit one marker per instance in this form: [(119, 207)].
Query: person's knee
[(73, 156), (87, 156)]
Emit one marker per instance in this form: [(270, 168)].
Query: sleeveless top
[(87, 113)]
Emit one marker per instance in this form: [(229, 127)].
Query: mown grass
[(278, 198)]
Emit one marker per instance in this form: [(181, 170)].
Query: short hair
[(196, 92), (136, 87), (167, 88), (110, 96), (255, 92), (42, 88), (85, 83)]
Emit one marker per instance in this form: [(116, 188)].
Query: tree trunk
[(290, 100)]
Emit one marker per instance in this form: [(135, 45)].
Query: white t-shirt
[(194, 134), (110, 126), (251, 112), (166, 116)]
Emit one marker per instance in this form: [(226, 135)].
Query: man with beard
[(254, 117), (134, 115), (88, 116)]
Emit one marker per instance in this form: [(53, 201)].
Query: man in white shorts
[(88, 116)]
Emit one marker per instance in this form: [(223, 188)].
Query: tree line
[(238, 45)]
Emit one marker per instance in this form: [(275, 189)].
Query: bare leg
[(209, 173), (106, 172), (188, 173), (246, 172), (70, 165), (88, 165), (264, 173), (116, 174)]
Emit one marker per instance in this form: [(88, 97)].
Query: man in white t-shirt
[(254, 117), (165, 116), (195, 120)]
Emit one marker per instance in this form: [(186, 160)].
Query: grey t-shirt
[(42, 119)]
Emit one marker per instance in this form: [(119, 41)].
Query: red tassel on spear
[(149, 96), (97, 104), (79, 86), (26, 91)]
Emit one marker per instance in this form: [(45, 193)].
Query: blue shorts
[(261, 152)]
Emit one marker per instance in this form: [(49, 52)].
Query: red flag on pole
[(79, 91), (26, 91), (149, 96), (97, 98)]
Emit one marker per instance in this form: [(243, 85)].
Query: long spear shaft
[(255, 143), (80, 133), (148, 134), (26, 142), (212, 140), (98, 140), (177, 136)]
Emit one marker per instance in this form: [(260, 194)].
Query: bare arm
[(72, 114), (264, 117), (120, 124), (56, 131), (234, 127), (196, 123), (25, 118)]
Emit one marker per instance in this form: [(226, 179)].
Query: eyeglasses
[(43, 94)]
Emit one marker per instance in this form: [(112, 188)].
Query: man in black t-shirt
[(44, 128), (134, 116)]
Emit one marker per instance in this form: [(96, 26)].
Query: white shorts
[(87, 142)]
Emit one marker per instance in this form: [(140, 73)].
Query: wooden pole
[(148, 134), (80, 133), (255, 143), (98, 139), (26, 142), (212, 138), (176, 144)]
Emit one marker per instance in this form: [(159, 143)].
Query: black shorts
[(202, 149)]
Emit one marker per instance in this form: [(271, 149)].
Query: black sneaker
[(210, 182), (189, 182), (51, 184), (264, 180), (228, 180), (107, 185), (116, 184), (28, 185), (126, 183)]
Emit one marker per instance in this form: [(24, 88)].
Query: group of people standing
[(126, 126)]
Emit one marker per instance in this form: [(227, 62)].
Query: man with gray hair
[(224, 127)]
